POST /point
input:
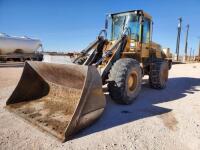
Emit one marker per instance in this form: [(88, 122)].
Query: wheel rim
[(132, 81)]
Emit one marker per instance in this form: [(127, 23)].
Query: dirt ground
[(159, 119)]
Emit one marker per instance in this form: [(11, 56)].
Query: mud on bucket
[(58, 98)]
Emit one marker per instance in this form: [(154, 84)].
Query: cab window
[(134, 26), (146, 30), (130, 21)]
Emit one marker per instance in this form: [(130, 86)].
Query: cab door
[(146, 29)]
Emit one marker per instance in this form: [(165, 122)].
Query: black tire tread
[(154, 75), (117, 80)]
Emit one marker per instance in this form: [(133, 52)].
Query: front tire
[(125, 81)]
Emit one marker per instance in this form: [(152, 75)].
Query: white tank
[(11, 44)]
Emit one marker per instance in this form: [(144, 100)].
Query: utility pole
[(186, 42), (178, 38)]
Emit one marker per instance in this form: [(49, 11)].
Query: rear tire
[(125, 81), (158, 75)]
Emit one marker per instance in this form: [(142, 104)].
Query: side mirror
[(106, 23)]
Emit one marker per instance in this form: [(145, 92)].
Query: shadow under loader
[(116, 115)]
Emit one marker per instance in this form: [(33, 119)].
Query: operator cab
[(137, 23)]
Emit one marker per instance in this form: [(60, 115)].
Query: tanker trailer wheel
[(80, 61), (125, 81), (158, 75)]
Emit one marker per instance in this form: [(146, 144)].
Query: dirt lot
[(159, 119)]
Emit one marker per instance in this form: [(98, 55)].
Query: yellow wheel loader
[(64, 98)]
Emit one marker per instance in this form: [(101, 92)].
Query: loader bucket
[(58, 98)]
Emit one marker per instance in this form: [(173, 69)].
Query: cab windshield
[(120, 22)]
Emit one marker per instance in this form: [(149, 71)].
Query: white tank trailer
[(19, 48)]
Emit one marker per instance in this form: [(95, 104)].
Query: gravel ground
[(159, 119)]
